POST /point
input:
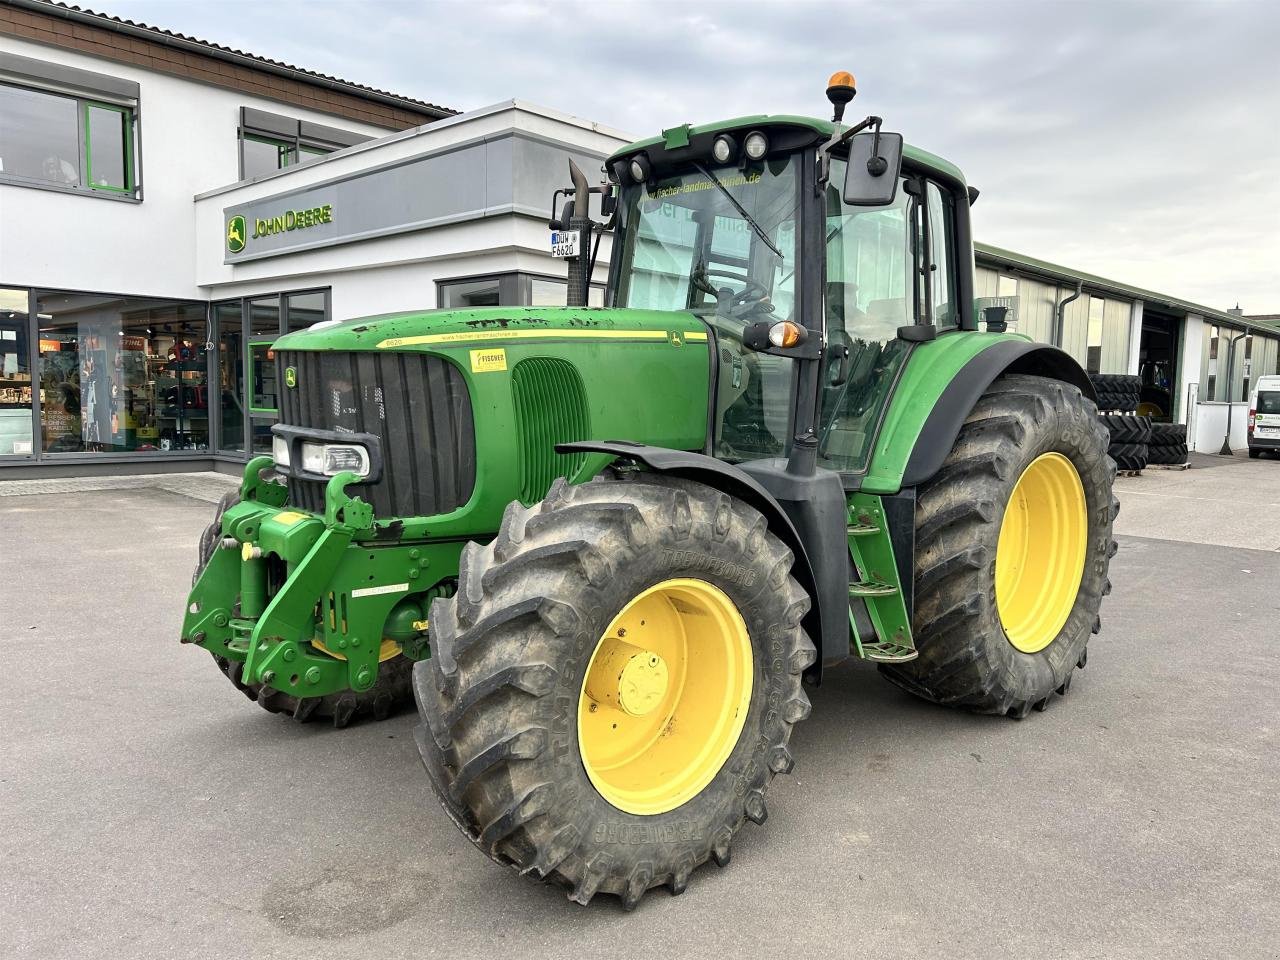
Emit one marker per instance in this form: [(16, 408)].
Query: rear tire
[(967, 658), (390, 693), (501, 697)]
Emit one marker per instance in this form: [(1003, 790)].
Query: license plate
[(1267, 431), (565, 243)]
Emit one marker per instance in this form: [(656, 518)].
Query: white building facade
[(132, 335)]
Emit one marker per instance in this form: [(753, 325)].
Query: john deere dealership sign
[(509, 173), (238, 237)]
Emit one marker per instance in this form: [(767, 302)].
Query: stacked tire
[(1130, 440), (1117, 392), (1168, 444)]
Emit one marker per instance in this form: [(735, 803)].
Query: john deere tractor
[(606, 548)]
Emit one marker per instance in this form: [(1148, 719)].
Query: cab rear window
[(1268, 401)]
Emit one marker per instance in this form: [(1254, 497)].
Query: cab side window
[(942, 257)]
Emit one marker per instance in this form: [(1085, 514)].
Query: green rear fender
[(942, 381)]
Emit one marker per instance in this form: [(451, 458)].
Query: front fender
[(942, 382)]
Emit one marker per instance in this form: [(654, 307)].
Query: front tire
[(1013, 544), (537, 710)]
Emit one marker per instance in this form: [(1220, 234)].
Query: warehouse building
[(1194, 360), (171, 206)]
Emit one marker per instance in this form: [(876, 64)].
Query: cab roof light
[(724, 149), (640, 168), (756, 145)]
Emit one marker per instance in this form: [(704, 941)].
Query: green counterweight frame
[(341, 590)]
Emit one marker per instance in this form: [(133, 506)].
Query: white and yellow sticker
[(379, 591), (472, 336), (488, 361)]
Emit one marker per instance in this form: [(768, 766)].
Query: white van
[(1264, 417)]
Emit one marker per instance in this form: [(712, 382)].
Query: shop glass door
[(231, 358), (264, 327)]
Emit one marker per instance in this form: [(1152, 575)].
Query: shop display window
[(121, 374), (15, 375)]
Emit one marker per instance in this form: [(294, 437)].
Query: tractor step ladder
[(877, 586)]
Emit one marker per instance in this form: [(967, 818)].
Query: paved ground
[(149, 810)]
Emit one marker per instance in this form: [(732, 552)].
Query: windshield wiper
[(740, 208)]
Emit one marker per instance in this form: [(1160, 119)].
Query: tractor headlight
[(330, 459), (640, 168), (280, 451), (724, 149), (756, 145)]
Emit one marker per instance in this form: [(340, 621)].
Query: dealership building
[(169, 206)]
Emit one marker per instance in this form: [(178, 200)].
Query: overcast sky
[(1139, 141)]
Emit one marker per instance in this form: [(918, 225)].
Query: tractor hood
[(444, 329)]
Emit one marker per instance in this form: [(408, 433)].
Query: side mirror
[(875, 161)]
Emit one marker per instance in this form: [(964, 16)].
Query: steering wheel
[(752, 290)]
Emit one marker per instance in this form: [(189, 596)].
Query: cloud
[(1136, 140)]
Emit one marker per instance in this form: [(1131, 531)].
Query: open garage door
[(1158, 365)]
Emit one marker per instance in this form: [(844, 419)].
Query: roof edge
[(1059, 272), (215, 51)]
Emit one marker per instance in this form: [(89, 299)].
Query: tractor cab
[(814, 273)]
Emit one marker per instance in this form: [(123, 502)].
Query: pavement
[(149, 810)]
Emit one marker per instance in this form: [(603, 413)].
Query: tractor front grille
[(417, 405)]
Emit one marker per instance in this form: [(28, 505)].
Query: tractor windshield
[(692, 236), (721, 242)]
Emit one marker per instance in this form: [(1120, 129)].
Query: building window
[(1097, 309), (1213, 343), (121, 374), (544, 292), (108, 142), (270, 142), (261, 155), (1212, 388), (62, 141), (1006, 286), (509, 290)]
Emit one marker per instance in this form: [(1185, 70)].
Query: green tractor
[(606, 548)]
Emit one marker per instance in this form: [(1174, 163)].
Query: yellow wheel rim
[(1041, 552), (665, 696)]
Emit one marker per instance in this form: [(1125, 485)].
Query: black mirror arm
[(842, 137)]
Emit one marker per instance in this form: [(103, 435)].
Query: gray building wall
[(1038, 298)]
